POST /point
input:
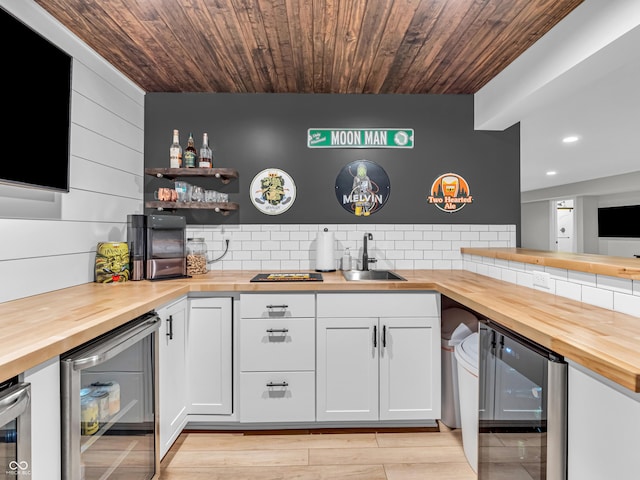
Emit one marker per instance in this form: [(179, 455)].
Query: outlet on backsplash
[(541, 279)]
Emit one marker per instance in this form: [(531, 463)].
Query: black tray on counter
[(287, 277)]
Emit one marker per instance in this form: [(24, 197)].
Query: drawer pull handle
[(277, 330), (281, 384), (277, 310)]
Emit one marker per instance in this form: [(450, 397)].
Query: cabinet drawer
[(277, 305), (378, 305), (277, 397), (272, 344)]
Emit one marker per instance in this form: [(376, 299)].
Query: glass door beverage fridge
[(108, 405)]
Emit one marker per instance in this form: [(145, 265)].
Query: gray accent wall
[(252, 132)]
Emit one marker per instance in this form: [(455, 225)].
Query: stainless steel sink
[(355, 275)]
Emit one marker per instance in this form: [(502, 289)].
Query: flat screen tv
[(37, 77), (623, 222)]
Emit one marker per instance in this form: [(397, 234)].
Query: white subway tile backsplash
[(525, 279), (499, 262), (423, 227), (615, 284), (625, 303), (517, 266), (489, 236), (436, 235), (441, 245), (452, 255), (495, 272), (413, 235), (569, 290), (470, 266), (456, 264), (423, 264), (442, 264), (510, 276), (470, 236), (392, 235), (423, 245), (482, 269), (292, 247), (260, 255), (403, 245), (597, 296), (582, 278), (530, 267), (557, 273), (636, 287)]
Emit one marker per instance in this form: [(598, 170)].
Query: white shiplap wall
[(48, 240)]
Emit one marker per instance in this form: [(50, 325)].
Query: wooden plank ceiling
[(310, 46)]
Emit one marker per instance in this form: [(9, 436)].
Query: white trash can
[(457, 324), (466, 354)]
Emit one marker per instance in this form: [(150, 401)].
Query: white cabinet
[(46, 446), (277, 357), (378, 356), (603, 427), (172, 372), (209, 356)]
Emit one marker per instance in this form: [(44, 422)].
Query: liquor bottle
[(175, 151), (190, 153), (206, 158)]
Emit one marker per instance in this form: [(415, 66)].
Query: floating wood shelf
[(224, 174), (223, 208)]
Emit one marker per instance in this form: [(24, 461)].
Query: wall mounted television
[(621, 222), (38, 77)]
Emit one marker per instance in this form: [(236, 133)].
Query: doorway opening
[(564, 228)]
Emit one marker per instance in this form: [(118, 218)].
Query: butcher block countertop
[(37, 328)]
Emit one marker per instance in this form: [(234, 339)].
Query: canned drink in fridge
[(113, 388), (89, 413), (102, 397)]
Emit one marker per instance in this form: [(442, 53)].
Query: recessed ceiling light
[(570, 139), (551, 172)]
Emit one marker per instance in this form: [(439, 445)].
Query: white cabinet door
[(378, 356), (603, 428), (209, 361), (172, 373), (409, 368), (347, 369)]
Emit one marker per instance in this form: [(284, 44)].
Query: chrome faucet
[(365, 253)]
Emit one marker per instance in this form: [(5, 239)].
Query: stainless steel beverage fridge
[(108, 405), (522, 428), (15, 430)]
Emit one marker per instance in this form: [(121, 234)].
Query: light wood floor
[(317, 456)]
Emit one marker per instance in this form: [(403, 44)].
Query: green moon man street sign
[(360, 138)]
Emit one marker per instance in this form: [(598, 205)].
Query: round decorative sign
[(362, 188), (449, 192), (272, 191)]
